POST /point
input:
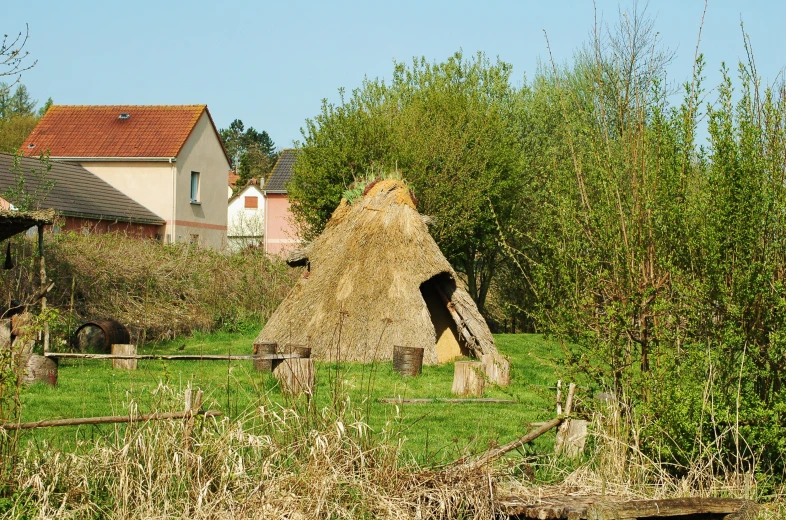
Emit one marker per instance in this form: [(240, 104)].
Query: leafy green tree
[(450, 129), (18, 116), (42, 111), (252, 153)]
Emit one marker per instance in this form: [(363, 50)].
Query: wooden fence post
[(467, 378), (296, 376), (127, 350)]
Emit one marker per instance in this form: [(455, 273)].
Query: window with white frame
[(194, 187)]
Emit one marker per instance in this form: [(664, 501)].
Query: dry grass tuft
[(276, 463), (615, 465)]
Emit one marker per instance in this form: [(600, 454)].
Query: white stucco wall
[(245, 226)]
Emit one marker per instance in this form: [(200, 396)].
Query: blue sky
[(271, 63)]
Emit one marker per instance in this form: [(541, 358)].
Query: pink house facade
[(280, 233)]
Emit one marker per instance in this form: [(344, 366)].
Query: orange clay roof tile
[(100, 131)]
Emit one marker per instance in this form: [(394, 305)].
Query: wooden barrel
[(301, 350), (265, 347), (407, 361), (124, 349), (40, 369), (98, 336)]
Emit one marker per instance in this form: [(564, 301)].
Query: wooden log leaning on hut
[(468, 378)]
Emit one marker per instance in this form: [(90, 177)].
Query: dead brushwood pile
[(376, 278), (157, 290)]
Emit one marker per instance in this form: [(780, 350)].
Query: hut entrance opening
[(436, 293)]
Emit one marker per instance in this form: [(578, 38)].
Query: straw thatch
[(376, 279)]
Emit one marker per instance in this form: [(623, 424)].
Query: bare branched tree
[(13, 55)]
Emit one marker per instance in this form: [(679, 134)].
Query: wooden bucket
[(407, 361), (266, 347), (301, 350)]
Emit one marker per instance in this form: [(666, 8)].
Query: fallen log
[(109, 419), (495, 453)]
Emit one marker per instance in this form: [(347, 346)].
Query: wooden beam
[(110, 419), (609, 507)]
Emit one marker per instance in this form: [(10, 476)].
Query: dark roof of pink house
[(282, 172)]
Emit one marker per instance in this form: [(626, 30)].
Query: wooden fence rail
[(109, 419), (182, 357)]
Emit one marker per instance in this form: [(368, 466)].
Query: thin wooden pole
[(110, 419), (494, 454), (182, 357), (42, 272)]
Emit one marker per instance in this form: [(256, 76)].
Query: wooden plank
[(608, 508), (480, 400), (664, 508), (181, 357), (109, 419)]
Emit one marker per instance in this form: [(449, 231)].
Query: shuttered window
[(252, 202)]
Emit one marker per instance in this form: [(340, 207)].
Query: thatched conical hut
[(376, 279)]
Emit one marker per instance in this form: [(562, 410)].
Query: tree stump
[(468, 378), (571, 438), (496, 368), (266, 347), (407, 361), (296, 376), (124, 350), (40, 369)]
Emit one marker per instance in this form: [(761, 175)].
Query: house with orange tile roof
[(169, 159)]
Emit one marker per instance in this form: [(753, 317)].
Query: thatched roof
[(15, 222), (376, 279)]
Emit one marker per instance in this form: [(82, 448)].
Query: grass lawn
[(434, 432)]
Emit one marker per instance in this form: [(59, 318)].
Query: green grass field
[(434, 432)]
